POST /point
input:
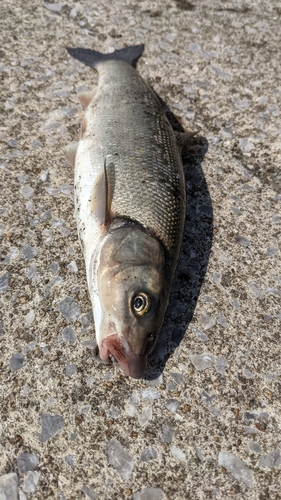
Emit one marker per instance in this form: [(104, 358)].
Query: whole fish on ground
[(129, 206)]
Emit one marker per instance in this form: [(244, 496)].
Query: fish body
[(129, 206)]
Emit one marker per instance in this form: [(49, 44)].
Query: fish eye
[(150, 337), (141, 303)]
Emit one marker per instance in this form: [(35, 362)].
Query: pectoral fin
[(185, 140), (70, 153), (85, 97), (102, 196)]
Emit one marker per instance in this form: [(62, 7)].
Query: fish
[(130, 201)]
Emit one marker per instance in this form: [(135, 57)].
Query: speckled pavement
[(205, 422)]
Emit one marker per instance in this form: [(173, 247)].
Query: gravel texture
[(205, 422)]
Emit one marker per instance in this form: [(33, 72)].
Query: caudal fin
[(93, 58)]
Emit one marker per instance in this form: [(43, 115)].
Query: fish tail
[(92, 58)]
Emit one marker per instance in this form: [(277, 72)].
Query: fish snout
[(132, 364)]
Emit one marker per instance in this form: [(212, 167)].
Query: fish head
[(131, 297)]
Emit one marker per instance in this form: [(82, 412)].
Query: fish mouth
[(133, 365)]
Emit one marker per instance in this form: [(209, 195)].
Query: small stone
[(145, 416), (148, 454), (216, 278), (148, 394), (178, 378), (201, 361), (31, 481), (22, 495), (16, 362), (4, 282), (113, 412), (2, 331), (201, 336), (54, 7), (69, 459), (13, 143), (167, 434), (221, 365), (26, 462), (70, 369), (221, 320), (207, 321), (249, 430), (87, 319), (54, 267), (199, 454), (51, 425), (89, 493), (14, 253), (258, 293), (27, 191), (244, 242), (72, 267), (9, 486), (29, 252), (276, 218), (172, 405), (272, 251), (149, 494), (29, 318), (236, 468), (66, 189), (177, 453), (207, 399), (69, 309), (89, 344), (134, 398), (248, 374), (245, 145), (68, 334), (271, 460), (254, 446), (119, 459)]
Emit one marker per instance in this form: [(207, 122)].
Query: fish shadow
[(194, 254)]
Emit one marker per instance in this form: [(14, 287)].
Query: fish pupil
[(138, 303)]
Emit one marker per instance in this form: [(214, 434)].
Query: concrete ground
[(205, 422)]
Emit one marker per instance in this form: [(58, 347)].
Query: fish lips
[(133, 365)]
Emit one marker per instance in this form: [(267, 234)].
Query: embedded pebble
[(167, 434), (89, 492), (69, 309), (87, 319), (258, 293), (221, 365), (119, 459), (149, 493), (207, 398), (244, 242), (199, 454), (27, 191), (26, 462), (16, 361), (9, 486), (68, 334), (172, 405), (207, 321), (70, 369), (72, 267), (145, 417), (69, 459), (148, 454), (234, 465), (147, 394), (271, 460), (29, 252), (177, 453), (113, 412), (31, 481), (29, 318), (201, 361), (89, 344), (255, 447), (221, 320), (4, 282), (51, 425), (248, 374), (54, 267)]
